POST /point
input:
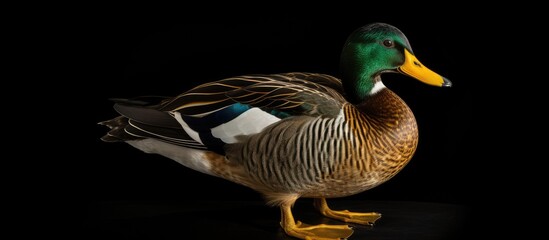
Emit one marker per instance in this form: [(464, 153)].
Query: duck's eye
[(388, 43)]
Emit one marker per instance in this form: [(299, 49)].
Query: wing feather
[(211, 104), (295, 93)]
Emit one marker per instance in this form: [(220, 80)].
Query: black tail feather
[(117, 132), (146, 115)]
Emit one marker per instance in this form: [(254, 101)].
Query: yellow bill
[(415, 69)]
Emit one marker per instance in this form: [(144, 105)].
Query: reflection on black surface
[(254, 220)]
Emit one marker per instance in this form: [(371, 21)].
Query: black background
[(118, 58)]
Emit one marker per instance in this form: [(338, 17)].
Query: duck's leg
[(345, 215), (309, 232)]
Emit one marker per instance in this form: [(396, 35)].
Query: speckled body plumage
[(358, 149)]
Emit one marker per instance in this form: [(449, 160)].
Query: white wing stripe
[(192, 133), (250, 122)]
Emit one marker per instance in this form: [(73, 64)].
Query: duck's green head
[(375, 49)]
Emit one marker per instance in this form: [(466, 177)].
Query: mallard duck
[(292, 135)]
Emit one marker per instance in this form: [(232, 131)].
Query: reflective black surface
[(253, 220)]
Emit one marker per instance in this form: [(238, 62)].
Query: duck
[(292, 135)]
